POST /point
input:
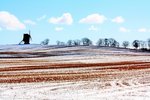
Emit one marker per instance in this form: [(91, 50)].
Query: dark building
[(26, 38)]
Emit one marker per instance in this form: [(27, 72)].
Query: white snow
[(82, 90), (94, 89)]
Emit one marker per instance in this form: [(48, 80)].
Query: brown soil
[(96, 70)]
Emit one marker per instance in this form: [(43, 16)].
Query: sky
[(65, 20)]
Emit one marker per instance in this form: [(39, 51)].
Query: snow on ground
[(116, 84), (82, 90)]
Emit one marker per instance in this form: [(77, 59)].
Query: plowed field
[(74, 73)]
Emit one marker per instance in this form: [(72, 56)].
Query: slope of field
[(35, 72)]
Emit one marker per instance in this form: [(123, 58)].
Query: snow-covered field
[(35, 72)]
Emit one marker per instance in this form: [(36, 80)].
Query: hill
[(76, 73)]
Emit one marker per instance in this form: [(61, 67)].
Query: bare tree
[(112, 42), (62, 43), (70, 43), (136, 43), (100, 42), (86, 41), (77, 42), (117, 44), (58, 42), (125, 44), (142, 44), (149, 43), (106, 42), (45, 42)]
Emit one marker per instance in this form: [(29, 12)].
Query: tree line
[(105, 42)]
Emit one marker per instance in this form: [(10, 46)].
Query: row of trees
[(107, 42), (84, 42)]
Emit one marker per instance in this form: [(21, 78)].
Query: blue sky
[(74, 19)]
